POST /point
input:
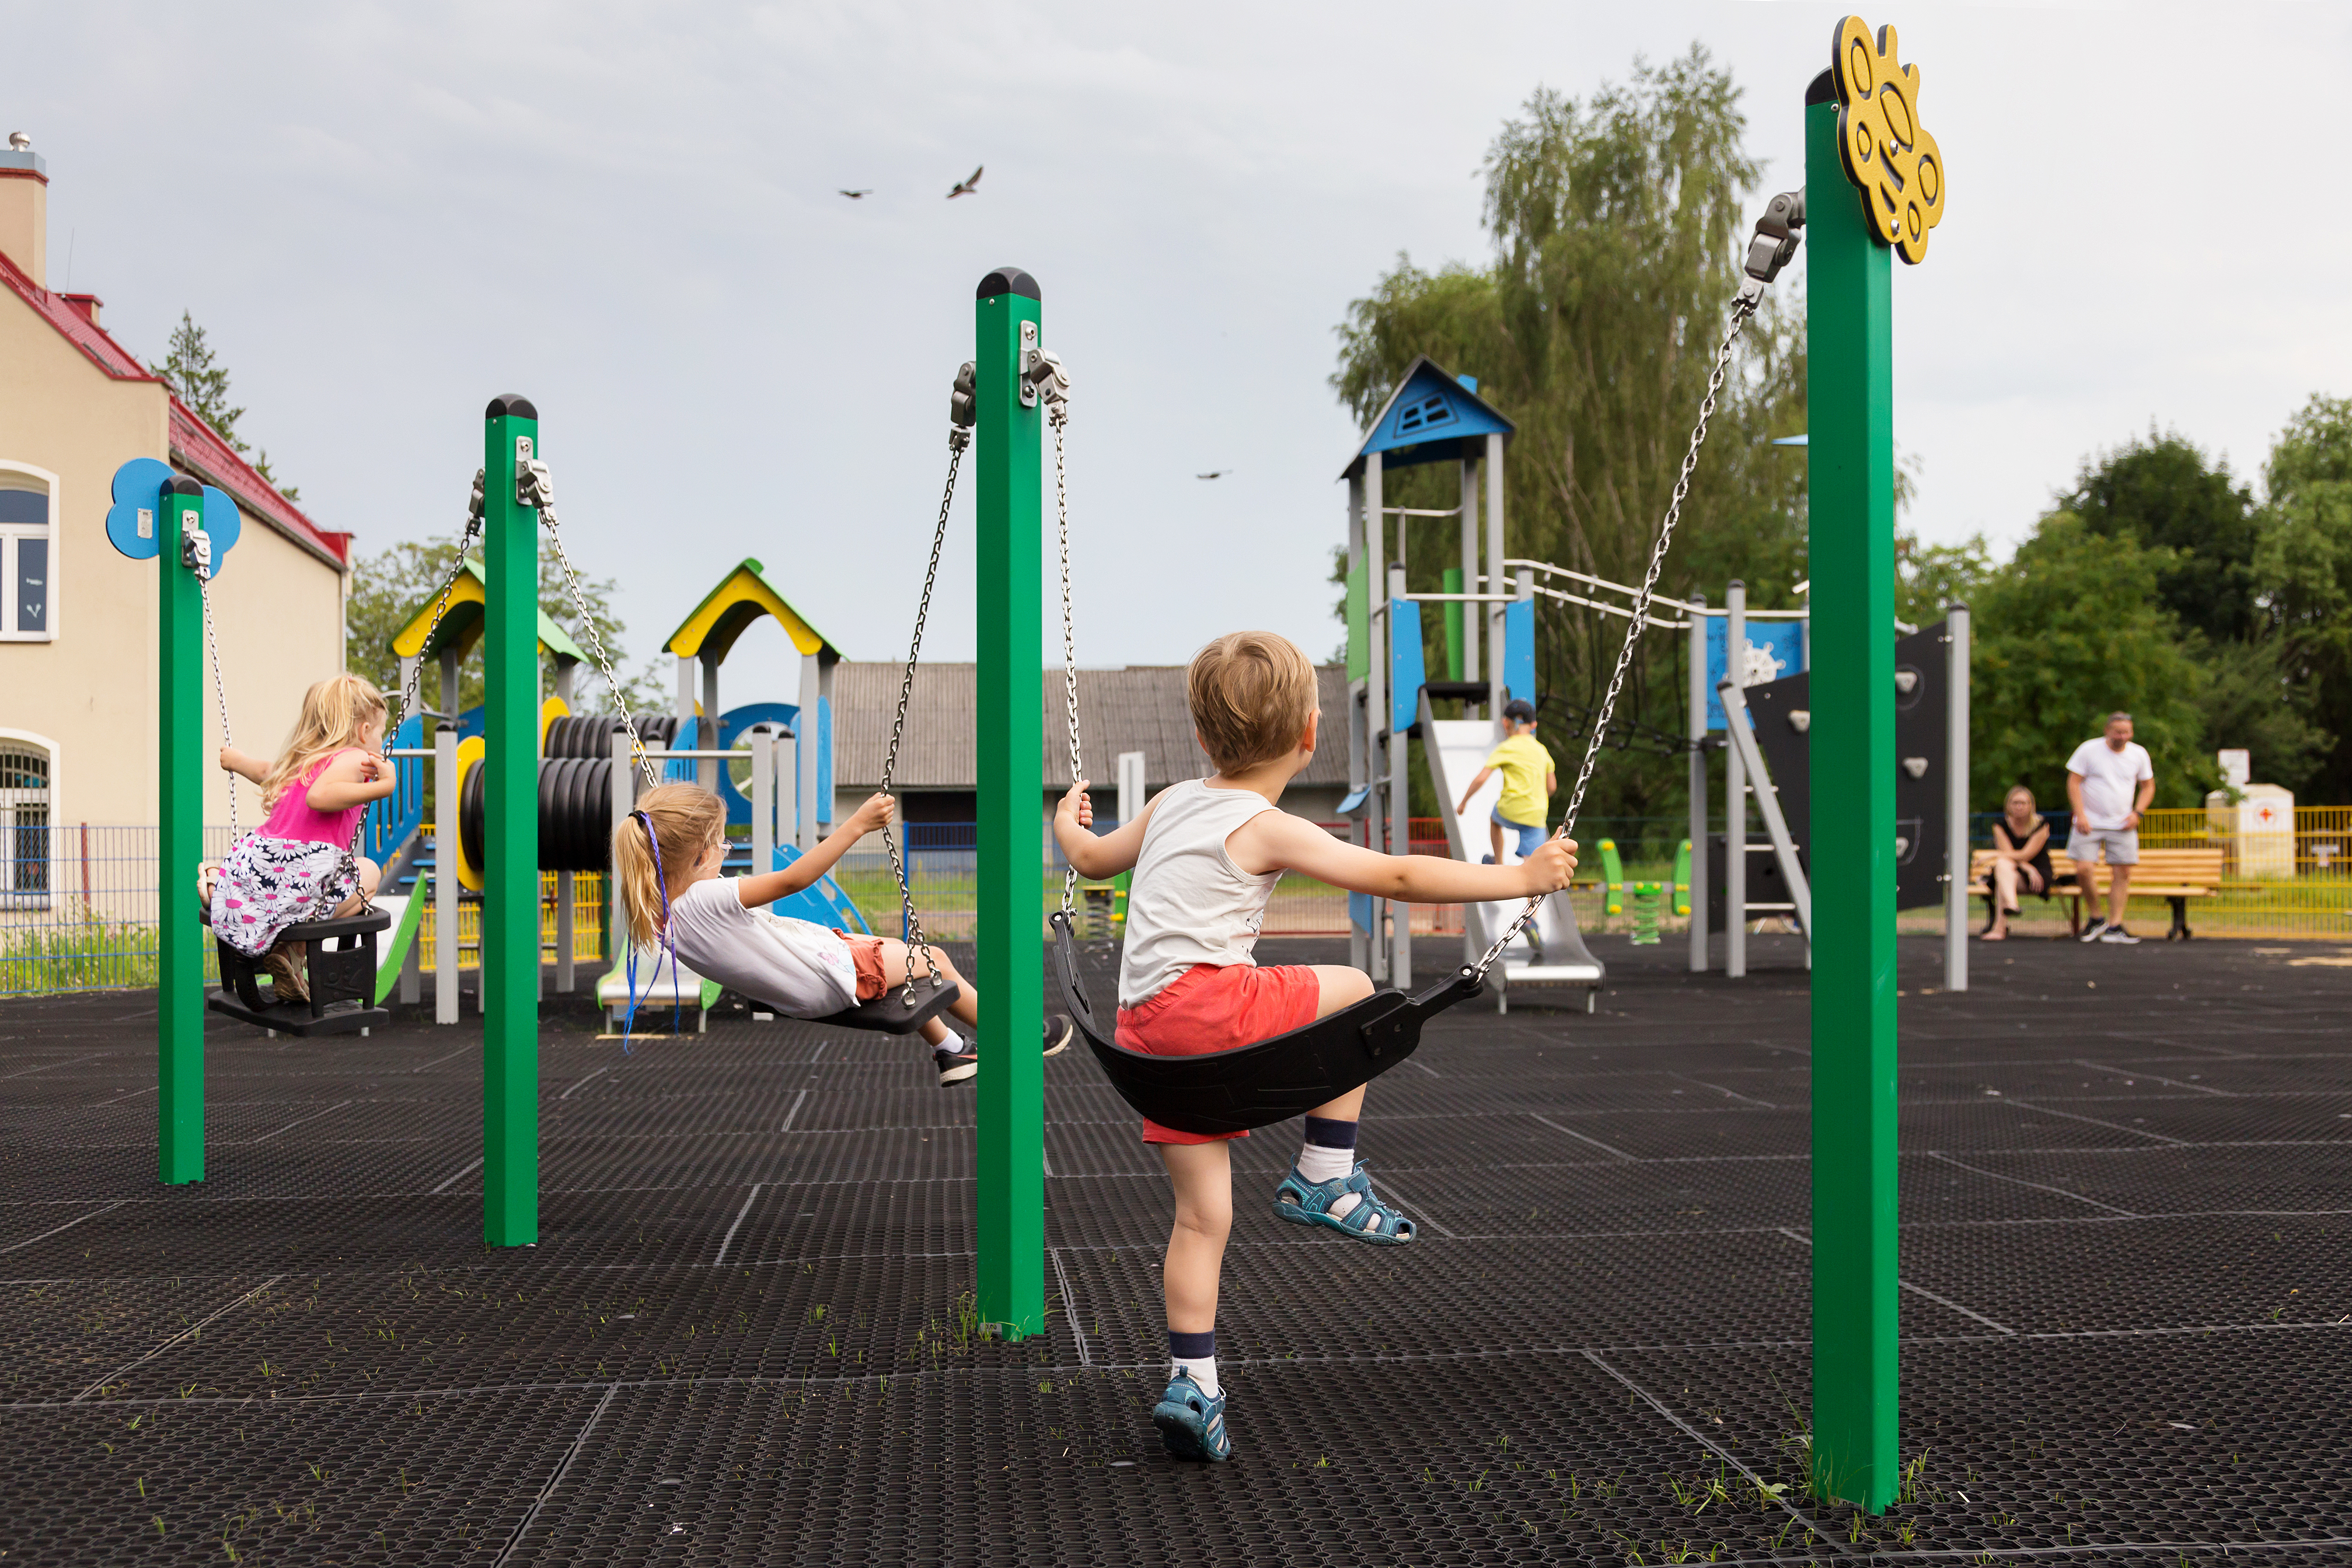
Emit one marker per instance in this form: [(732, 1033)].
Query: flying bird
[(967, 187), (855, 195), (1216, 474)]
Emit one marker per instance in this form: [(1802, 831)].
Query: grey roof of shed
[(1139, 708)]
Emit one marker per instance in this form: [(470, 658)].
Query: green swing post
[(1863, 137), (511, 833), (179, 798), (1008, 475)]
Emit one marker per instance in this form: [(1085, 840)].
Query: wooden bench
[(2175, 875)]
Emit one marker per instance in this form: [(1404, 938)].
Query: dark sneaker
[(2092, 931), (1192, 1425), (1059, 1032), (957, 1066), (2118, 935)]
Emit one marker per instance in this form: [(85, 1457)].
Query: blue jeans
[(1531, 834)]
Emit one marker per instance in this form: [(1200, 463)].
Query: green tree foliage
[(1617, 225), (2305, 563), (190, 370), (2162, 492), (390, 586), (2069, 630)]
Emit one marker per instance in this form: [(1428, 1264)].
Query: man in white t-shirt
[(2109, 782)]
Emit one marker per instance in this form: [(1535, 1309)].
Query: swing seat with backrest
[(339, 966), (1270, 1080)]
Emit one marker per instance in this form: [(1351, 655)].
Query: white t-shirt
[(1188, 904), (802, 967), (2110, 780)]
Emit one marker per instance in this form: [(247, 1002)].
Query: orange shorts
[(866, 956), (1217, 1007)]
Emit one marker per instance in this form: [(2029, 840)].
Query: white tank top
[(1188, 903)]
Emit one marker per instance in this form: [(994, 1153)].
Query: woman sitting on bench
[(2021, 847)]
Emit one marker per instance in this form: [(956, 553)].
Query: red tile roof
[(193, 442)]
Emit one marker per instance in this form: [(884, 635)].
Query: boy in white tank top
[(1206, 855)]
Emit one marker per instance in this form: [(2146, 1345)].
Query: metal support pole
[(1956, 800), (1008, 479), (1735, 791), (804, 790), (1471, 581), (1494, 467), (449, 684), (448, 986), (1376, 708), (564, 941), (1851, 478), (1400, 805), (180, 792), (510, 965), (705, 734), (625, 800), (1696, 732), (1359, 729), (763, 798)]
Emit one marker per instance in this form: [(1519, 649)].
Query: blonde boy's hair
[(687, 819), (1252, 693), (332, 712)]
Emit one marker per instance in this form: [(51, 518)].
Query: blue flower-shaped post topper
[(132, 524)]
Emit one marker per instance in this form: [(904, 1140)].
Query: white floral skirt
[(268, 884)]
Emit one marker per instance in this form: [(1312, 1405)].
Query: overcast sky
[(383, 214)]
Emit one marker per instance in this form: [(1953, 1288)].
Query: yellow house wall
[(92, 689)]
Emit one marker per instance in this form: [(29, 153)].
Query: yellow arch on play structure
[(463, 622), (743, 596)]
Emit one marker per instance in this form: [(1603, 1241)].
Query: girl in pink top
[(298, 864)]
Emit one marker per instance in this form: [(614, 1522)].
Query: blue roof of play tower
[(1432, 417)]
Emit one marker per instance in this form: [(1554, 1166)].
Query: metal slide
[(1456, 750)]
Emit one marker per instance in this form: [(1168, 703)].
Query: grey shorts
[(2122, 846)]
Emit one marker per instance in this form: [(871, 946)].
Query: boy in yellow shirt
[(1522, 760)]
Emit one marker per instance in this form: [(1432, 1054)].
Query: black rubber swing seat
[(890, 1013), (338, 967), (1271, 1081)]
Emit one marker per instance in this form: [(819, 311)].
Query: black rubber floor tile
[(2311, 1118), (2200, 1440), (2003, 1122), (441, 1479), (2123, 1274), (1588, 1192), (74, 1338), (1438, 1297), (789, 1224), (2186, 1179)]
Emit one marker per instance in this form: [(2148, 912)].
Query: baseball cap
[(1523, 711)]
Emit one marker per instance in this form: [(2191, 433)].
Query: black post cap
[(182, 484), (1821, 89), (1008, 280), (511, 406)]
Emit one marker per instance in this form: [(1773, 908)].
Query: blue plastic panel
[(1776, 648), (1406, 671), (1520, 650)]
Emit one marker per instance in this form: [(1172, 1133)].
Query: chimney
[(25, 208)]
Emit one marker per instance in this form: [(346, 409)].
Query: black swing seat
[(340, 965), (1274, 1080), (889, 1012)]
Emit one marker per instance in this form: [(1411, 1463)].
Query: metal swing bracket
[(963, 406), (196, 553), (1773, 246), (1041, 370)]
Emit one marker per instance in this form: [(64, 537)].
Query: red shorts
[(1217, 1007), (865, 956)]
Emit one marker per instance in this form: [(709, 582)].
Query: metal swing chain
[(535, 488), (1742, 308), (1058, 412), (199, 559), (958, 438)]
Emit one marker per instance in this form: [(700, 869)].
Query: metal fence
[(78, 902)]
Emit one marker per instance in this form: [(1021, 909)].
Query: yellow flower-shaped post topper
[(1888, 155)]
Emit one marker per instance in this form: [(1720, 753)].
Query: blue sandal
[(1192, 1425), (1303, 1202)]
